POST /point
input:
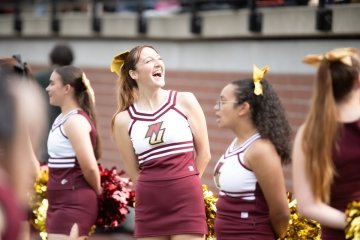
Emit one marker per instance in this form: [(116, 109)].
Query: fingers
[(74, 232)]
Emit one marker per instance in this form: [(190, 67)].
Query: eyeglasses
[(220, 103)]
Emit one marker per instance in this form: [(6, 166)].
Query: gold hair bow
[(88, 87), (258, 75), (340, 54), (118, 62)]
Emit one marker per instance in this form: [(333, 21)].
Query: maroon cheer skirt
[(67, 207), (170, 207), (242, 220)]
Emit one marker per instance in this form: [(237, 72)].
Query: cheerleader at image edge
[(252, 201), (326, 153), (163, 142), (73, 146), (22, 115)]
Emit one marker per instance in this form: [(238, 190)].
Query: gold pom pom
[(352, 229), (301, 228), (39, 202), (210, 207)]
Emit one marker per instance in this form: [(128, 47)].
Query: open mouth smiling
[(158, 74)]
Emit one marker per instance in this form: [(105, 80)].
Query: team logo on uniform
[(217, 173), (155, 133)]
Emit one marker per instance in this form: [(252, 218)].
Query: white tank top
[(231, 176), (61, 152), (163, 141)]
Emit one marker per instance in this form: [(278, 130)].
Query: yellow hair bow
[(340, 54), (258, 75), (118, 62), (88, 87)]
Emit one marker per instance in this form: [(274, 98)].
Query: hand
[(74, 232), (100, 191)]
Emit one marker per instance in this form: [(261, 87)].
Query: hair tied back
[(87, 84)]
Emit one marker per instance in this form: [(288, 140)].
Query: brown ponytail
[(75, 77), (126, 86), (334, 82)]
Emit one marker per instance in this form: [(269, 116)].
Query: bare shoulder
[(187, 102), (76, 121), (263, 146), (298, 138), (186, 97), (300, 131), (77, 118), (122, 119), (262, 151)]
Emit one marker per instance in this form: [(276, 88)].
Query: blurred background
[(205, 44)]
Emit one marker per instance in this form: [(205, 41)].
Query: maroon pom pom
[(115, 198)]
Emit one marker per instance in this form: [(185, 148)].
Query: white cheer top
[(163, 141), (231, 176)]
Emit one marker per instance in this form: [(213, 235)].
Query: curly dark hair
[(267, 114)]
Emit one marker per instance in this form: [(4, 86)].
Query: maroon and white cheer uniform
[(346, 185), (71, 199), (169, 198), (242, 211)]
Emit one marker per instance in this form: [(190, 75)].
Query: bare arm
[(263, 159), (77, 128), (24, 230), (125, 146), (308, 206), (198, 127), (25, 162), (2, 221), (35, 163)]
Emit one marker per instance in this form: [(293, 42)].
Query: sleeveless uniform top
[(234, 179), (13, 213), (64, 169), (346, 185), (162, 141)]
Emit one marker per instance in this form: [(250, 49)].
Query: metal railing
[(195, 7)]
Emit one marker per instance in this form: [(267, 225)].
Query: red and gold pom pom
[(113, 203), (210, 207), (352, 230), (115, 199)]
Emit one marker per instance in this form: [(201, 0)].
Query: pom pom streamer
[(117, 196), (39, 202), (301, 228), (352, 229), (115, 199), (210, 209)]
